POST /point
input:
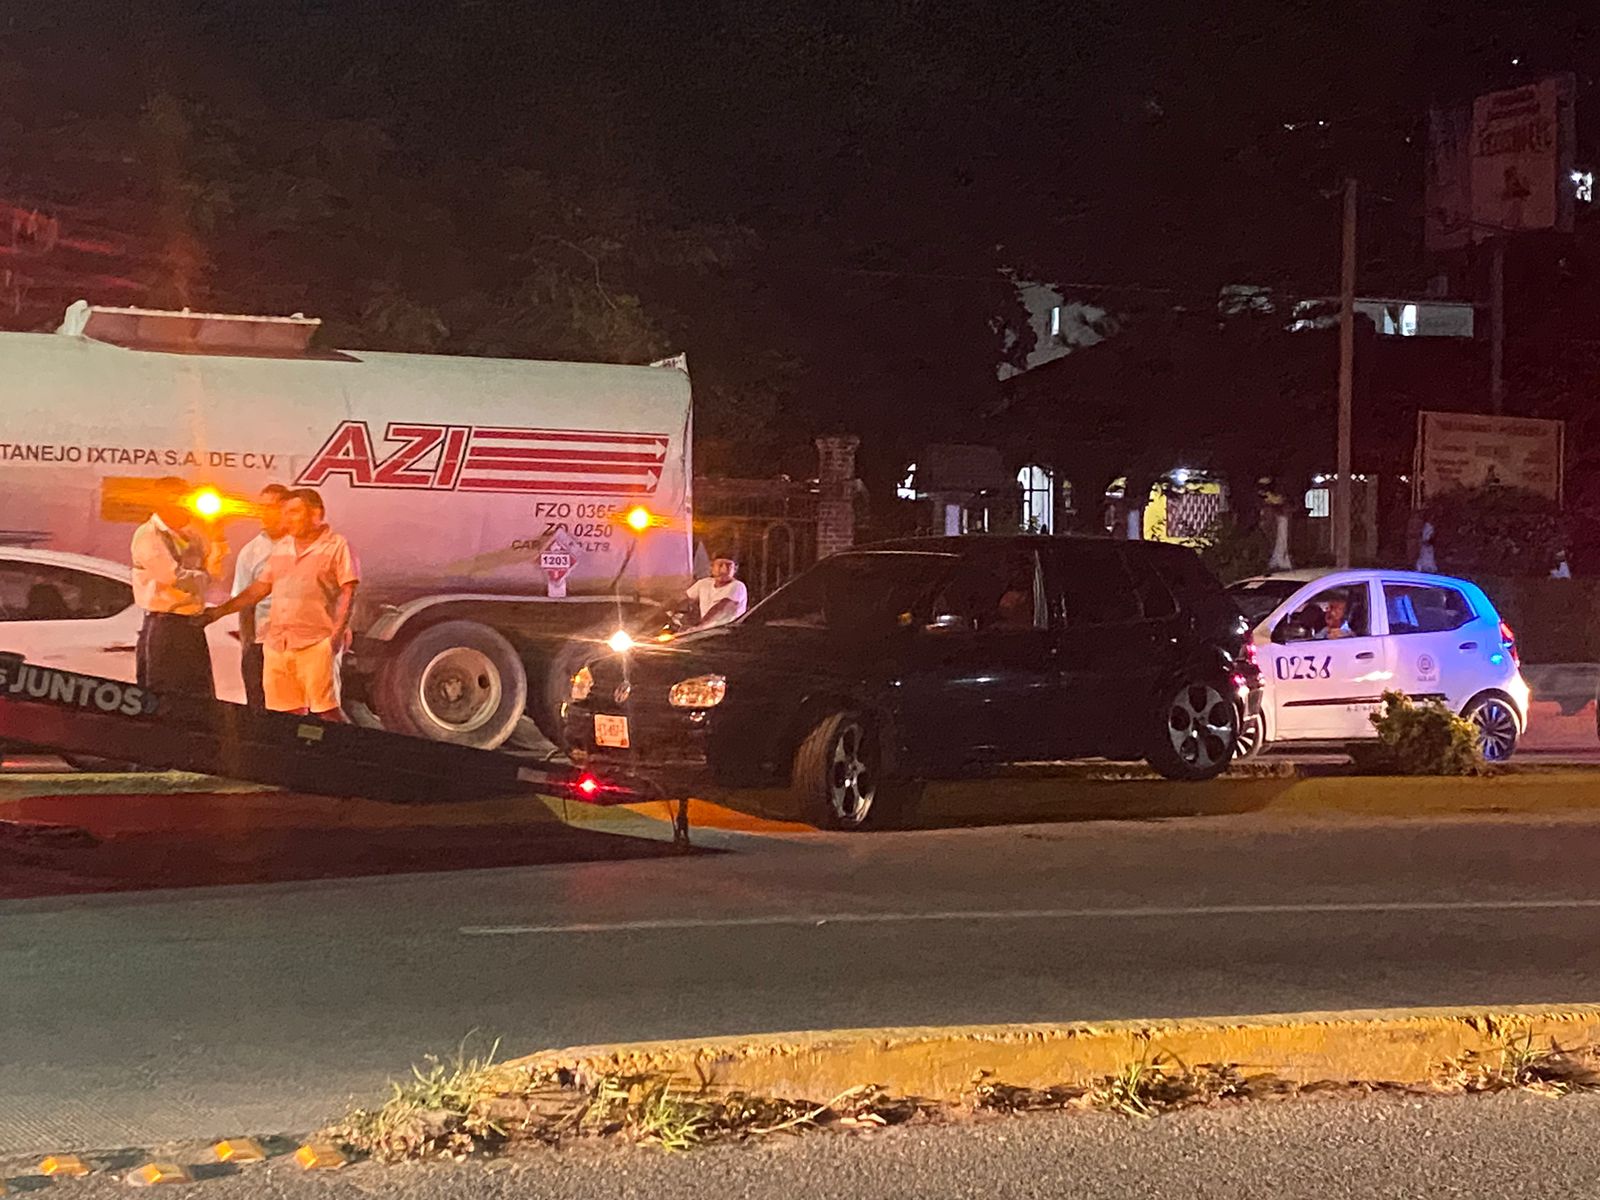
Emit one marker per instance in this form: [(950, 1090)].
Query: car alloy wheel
[(852, 774), (1202, 724), (1252, 739), (1497, 728)]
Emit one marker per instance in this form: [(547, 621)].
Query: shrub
[(1232, 551), (1420, 739), (1499, 530)]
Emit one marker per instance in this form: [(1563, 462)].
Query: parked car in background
[(1330, 643), (77, 613), (929, 657)]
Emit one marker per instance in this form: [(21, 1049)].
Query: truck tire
[(457, 681)]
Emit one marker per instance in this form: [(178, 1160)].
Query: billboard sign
[(1469, 450), (1448, 223), (1521, 147)]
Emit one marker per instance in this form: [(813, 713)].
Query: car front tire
[(1252, 739), (837, 776)]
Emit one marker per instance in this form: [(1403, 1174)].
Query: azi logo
[(469, 458)]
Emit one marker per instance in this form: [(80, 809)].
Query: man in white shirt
[(173, 565), (719, 598), (247, 569)]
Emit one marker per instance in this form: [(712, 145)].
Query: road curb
[(942, 1063), (1022, 796)]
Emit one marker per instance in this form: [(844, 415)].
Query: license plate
[(611, 731)]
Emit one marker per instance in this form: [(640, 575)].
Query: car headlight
[(582, 685), (621, 641), (703, 691)]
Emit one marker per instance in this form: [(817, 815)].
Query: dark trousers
[(173, 656), (252, 664)]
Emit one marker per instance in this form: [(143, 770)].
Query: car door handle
[(1365, 654), (128, 649), (1467, 646)]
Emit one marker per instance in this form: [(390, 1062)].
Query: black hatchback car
[(928, 658)]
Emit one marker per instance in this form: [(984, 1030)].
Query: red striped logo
[(586, 462)]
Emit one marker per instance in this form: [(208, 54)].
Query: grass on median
[(470, 1104)]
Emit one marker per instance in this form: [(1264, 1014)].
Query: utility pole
[(1347, 353), (1497, 325)]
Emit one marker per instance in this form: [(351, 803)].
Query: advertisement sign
[(1522, 158), (1447, 224), (1467, 450)]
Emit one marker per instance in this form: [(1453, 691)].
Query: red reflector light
[(588, 785)]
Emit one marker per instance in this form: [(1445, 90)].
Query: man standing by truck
[(311, 577), (247, 569), (172, 567)]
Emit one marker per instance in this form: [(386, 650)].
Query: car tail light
[(1508, 639)]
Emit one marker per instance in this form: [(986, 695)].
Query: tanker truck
[(503, 511)]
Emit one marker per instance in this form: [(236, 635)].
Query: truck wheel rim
[(1497, 730), (460, 689), (1203, 726), (852, 778)]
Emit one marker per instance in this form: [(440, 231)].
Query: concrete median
[(941, 1064)]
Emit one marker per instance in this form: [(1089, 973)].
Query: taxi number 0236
[(1303, 666)]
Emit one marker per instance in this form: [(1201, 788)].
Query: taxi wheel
[(1252, 739), (1496, 724), (836, 774), (1197, 728)]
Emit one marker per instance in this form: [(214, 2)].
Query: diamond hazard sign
[(555, 560)]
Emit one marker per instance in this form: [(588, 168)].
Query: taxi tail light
[(1508, 639)]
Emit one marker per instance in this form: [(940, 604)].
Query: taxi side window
[(41, 592), (1425, 608), (1334, 613)]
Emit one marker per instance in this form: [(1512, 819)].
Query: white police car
[(77, 613), (1329, 644)]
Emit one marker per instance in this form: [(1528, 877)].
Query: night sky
[(815, 199)]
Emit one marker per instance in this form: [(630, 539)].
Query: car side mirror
[(946, 623), (1280, 632)]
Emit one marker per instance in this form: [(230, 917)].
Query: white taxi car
[(1329, 644), (77, 613)]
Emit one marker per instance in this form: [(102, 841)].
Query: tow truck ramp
[(63, 712)]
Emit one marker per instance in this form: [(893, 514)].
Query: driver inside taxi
[(1335, 620)]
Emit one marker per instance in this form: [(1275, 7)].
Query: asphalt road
[(138, 1018), (1409, 1148)]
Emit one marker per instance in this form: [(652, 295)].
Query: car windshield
[(856, 591), (1258, 597)]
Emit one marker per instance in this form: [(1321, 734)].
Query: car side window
[(1425, 608), (1333, 613), (1093, 586), (43, 592), (1155, 598), (996, 592)]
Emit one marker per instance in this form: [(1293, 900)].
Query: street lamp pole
[(1347, 346)]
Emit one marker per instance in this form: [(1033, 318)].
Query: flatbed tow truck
[(51, 711)]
